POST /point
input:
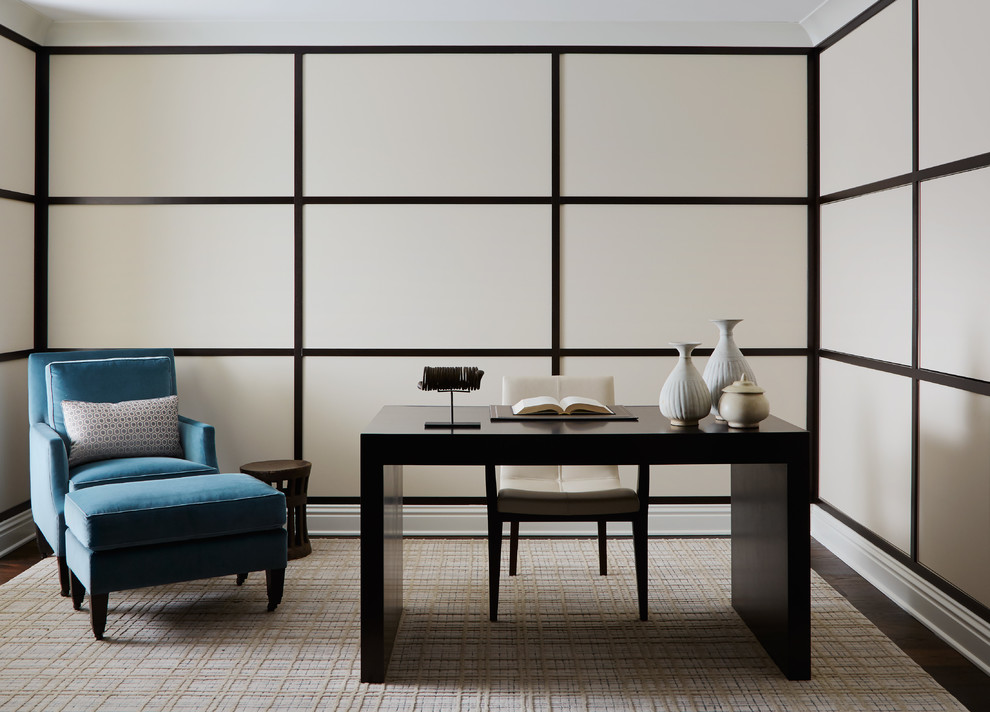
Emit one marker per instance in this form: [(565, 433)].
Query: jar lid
[(743, 385)]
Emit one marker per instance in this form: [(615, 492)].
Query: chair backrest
[(515, 388), (104, 376)]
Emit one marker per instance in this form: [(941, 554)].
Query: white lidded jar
[(743, 404)]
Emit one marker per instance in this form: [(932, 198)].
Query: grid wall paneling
[(954, 291), (954, 487), (343, 394), (16, 275), (646, 275), (955, 106), (678, 125), (428, 276), (367, 213), (248, 399), (866, 267), (14, 486), (171, 125), (188, 276), (865, 459), (866, 102), (935, 519), (16, 117), (427, 124)]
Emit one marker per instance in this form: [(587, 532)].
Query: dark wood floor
[(954, 672)]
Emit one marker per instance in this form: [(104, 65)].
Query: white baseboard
[(471, 520), (952, 622), (15, 532)]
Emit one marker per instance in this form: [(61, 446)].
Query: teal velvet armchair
[(67, 453)]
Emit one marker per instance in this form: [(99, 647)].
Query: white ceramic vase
[(684, 397), (726, 364)]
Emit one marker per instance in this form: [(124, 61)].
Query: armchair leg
[(513, 546), (78, 591), (43, 549), (241, 578), (63, 575), (639, 553), (98, 603), (494, 565), (602, 555), (275, 582)]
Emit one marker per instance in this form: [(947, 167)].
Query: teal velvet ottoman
[(134, 534)]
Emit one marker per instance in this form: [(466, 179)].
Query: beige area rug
[(568, 639)]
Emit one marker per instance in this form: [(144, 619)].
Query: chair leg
[(78, 591), (241, 578), (602, 555), (639, 553), (275, 582), (98, 603), (513, 547), (63, 575), (494, 565)]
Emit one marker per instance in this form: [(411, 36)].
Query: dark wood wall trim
[(857, 22), (14, 195), (41, 144), (18, 38)]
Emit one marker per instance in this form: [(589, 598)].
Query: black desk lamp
[(451, 379)]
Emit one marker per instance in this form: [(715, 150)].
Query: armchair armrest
[(198, 442), (49, 483)]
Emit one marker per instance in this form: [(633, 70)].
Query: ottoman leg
[(275, 580), (98, 613), (78, 591)]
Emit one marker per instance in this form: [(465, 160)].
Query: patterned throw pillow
[(137, 428)]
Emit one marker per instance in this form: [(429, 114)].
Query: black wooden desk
[(771, 579)]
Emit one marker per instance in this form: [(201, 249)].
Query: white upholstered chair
[(562, 492)]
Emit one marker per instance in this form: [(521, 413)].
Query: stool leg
[(275, 582), (98, 613), (78, 591), (241, 578)]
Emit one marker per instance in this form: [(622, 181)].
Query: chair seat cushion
[(620, 500), (132, 469), (559, 478), (178, 509)]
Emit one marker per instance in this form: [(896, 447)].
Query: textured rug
[(567, 639)]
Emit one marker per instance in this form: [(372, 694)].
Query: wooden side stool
[(291, 478)]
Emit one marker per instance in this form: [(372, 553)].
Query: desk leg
[(771, 561), (381, 565)]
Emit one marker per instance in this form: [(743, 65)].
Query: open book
[(565, 406)]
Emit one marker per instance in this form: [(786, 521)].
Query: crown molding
[(701, 34)]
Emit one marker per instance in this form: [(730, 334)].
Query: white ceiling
[(786, 23), (793, 11)]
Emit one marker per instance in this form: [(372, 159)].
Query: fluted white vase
[(684, 397), (726, 364)]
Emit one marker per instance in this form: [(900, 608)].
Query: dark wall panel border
[(20, 39), (14, 195)]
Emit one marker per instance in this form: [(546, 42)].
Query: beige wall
[(445, 274), (867, 252), (17, 77)]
